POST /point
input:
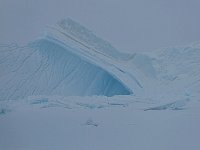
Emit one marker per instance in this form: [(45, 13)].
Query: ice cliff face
[(54, 65), (71, 61)]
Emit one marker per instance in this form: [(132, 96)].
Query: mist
[(129, 25)]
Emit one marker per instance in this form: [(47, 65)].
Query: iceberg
[(69, 61), (71, 89)]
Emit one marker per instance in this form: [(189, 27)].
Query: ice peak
[(71, 30)]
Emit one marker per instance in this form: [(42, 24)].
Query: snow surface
[(72, 90)]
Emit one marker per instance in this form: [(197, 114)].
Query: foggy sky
[(129, 25)]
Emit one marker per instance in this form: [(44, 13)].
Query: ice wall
[(46, 68), (71, 61)]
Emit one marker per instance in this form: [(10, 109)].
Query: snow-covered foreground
[(49, 88), (117, 123)]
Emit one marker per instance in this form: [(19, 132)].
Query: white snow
[(72, 90)]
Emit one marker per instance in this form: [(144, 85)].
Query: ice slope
[(45, 68), (178, 71)]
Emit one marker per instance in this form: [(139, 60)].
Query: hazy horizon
[(129, 25)]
